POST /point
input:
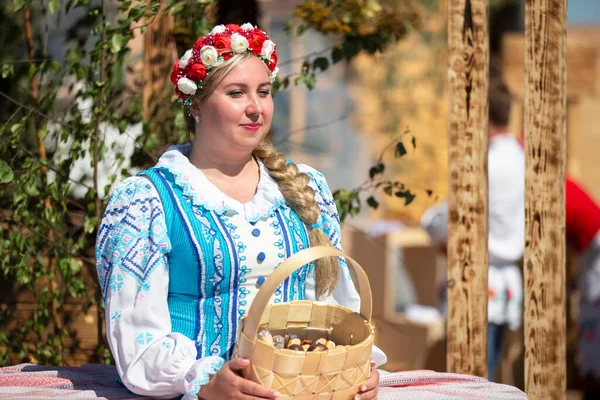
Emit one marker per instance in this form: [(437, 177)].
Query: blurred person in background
[(506, 208)]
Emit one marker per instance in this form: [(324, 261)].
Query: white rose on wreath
[(217, 29), (209, 56), (183, 61), (267, 49), (239, 43), (187, 86)]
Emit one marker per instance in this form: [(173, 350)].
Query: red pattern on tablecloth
[(96, 381)]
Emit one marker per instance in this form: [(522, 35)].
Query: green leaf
[(137, 12), (311, 82), (300, 79), (372, 202), (337, 55), (321, 63), (301, 29), (177, 8), (6, 173), (125, 5), (400, 150), (388, 190), (89, 224), (18, 4), (372, 172), (16, 127), (378, 169), (118, 41), (407, 195), (347, 18), (55, 67), (429, 192), (7, 70), (351, 48), (371, 44), (53, 5)]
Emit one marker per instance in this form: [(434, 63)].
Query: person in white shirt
[(506, 236)]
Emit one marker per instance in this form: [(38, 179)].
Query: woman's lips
[(251, 127)]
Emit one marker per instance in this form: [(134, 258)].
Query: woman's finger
[(254, 390), (370, 388)]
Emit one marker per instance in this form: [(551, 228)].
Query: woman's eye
[(264, 92), (236, 93)]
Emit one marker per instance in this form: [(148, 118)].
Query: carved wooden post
[(158, 60), (468, 188), (545, 154)]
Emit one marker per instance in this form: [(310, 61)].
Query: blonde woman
[(184, 246)]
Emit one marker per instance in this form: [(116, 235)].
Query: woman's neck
[(232, 166), (237, 177)]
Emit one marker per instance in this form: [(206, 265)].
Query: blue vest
[(204, 268)]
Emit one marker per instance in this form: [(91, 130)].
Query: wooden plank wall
[(545, 160), (468, 66)]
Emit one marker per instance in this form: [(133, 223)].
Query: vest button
[(260, 281), (256, 232), (261, 256)]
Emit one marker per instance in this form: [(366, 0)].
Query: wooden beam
[(468, 189), (545, 155), (157, 61)]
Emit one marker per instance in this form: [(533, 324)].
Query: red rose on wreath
[(273, 63), (257, 40), (223, 44), (197, 72), (234, 27), (203, 41), (175, 73)]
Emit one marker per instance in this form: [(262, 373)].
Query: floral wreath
[(212, 50)]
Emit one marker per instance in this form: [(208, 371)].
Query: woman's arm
[(131, 250)]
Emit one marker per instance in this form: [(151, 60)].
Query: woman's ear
[(195, 110)]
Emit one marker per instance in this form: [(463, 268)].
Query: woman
[(184, 247)]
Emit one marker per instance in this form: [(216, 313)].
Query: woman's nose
[(254, 106)]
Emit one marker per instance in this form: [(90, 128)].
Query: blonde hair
[(301, 198)]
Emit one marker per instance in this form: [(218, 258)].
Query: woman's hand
[(370, 388), (228, 384)]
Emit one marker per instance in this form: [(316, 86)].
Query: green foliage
[(356, 25), (47, 237), (349, 202)]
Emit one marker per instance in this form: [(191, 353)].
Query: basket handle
[(291, 264)]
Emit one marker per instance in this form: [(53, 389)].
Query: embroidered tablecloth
[(97, 381)]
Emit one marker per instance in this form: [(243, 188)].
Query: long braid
[(301, 198)]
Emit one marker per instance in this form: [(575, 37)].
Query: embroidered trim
[(204, 368), (203, 193)]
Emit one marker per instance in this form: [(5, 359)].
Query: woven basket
[(332, 374)]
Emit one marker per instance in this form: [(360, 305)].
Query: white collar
[(202, 192)]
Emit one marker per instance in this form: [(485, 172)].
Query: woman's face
[(237, 115)]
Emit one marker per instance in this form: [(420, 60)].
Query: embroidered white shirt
[(150, 358)]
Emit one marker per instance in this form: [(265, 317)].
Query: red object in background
[(582, 214)]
